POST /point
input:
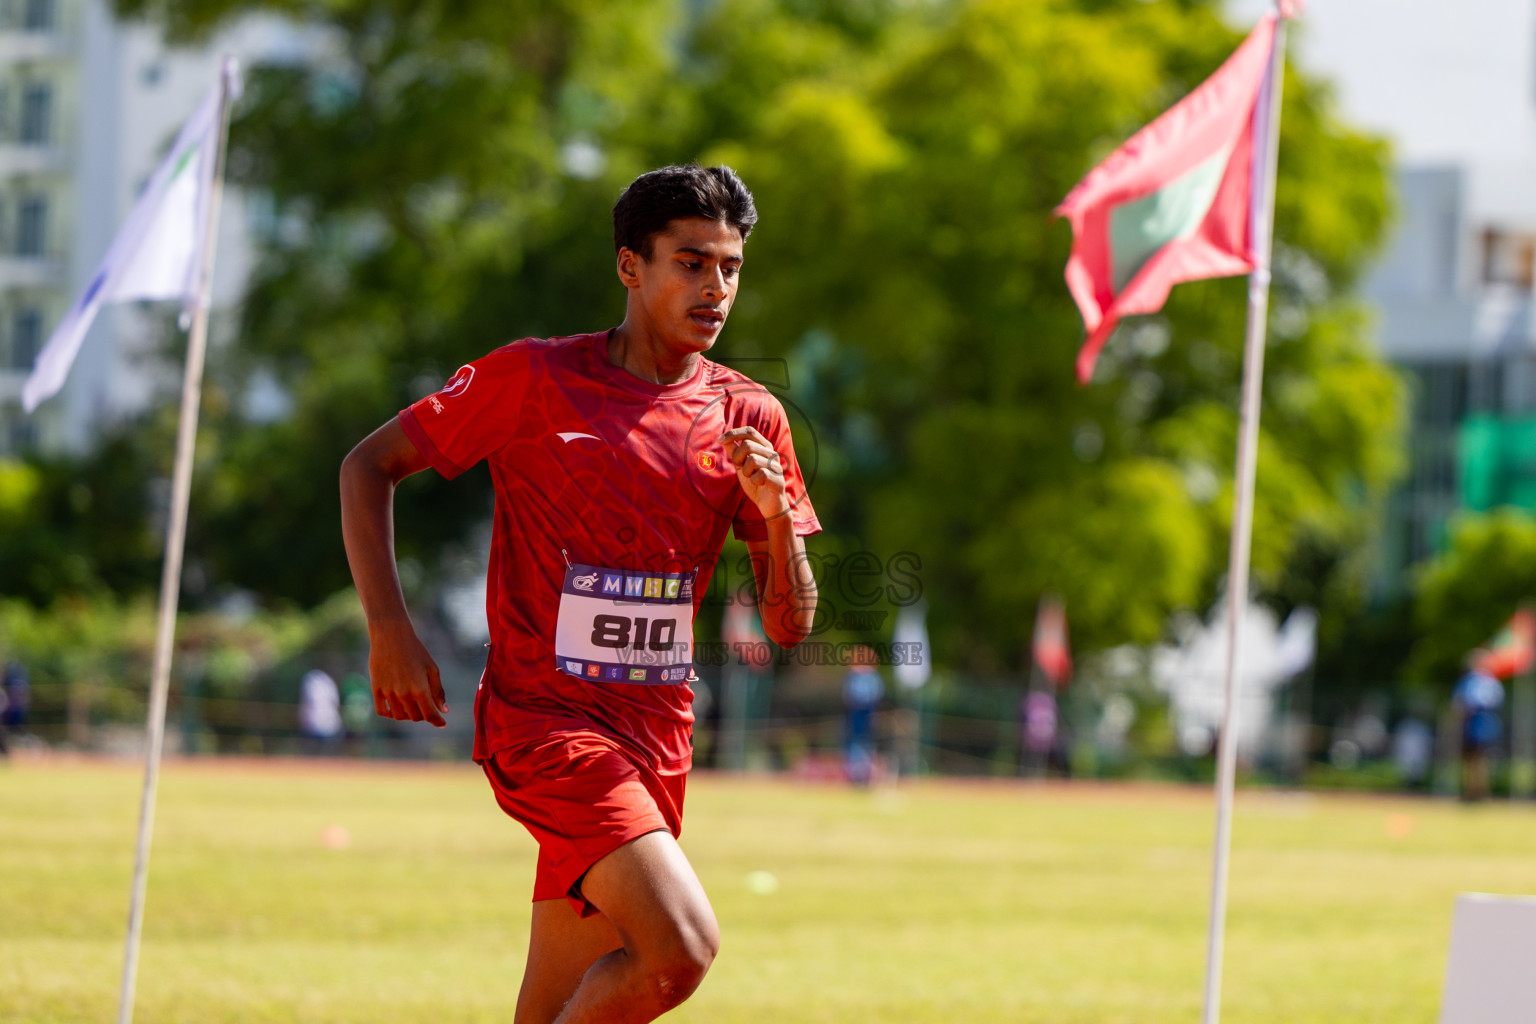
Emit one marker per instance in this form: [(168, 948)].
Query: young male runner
[(619, 461)]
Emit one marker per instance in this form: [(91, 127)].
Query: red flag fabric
[(1174, 202), (1050, 648), (740, 623), (1513, 651)]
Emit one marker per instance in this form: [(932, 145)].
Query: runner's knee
[(679, 962)]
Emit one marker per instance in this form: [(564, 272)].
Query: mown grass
[(937, 902)]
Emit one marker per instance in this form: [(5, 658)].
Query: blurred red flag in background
[(1513, 650), (1172, 204), (1050, 648)]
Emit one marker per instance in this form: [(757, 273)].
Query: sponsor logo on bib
[(625, 626)]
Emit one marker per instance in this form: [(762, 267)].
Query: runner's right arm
[(406, 685)]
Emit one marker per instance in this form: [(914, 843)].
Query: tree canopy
[(1466, 594), (439, 184)]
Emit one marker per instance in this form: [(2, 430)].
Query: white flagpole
[(1263, 218), (175, 543)]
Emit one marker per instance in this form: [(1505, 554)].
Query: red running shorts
[(581, 796)]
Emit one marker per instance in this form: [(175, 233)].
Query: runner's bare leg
[(649, 893), (561, 946)]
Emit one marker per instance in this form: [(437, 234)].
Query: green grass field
[(938, 902)]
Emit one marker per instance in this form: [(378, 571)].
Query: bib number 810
[(615, 631)]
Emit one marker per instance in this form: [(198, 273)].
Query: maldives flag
[(1176, 202), (1049, 647), (1513, 651)]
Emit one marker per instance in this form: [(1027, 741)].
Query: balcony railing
[(18, 158), (31, 271), (11, 381), (34, 44)]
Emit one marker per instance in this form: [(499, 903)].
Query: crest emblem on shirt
[(708, 461), (459, 382)]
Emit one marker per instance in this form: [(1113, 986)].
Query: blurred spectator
[(1038, 716), (319, 711), (1477, 699), (18, 697), (1115, 721), (862, 690), (1370, 734), (356, 710), (1413, 751)]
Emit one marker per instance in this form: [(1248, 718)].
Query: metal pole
[(1522, 734), (733, 716), (1242, 524), (170, 577)]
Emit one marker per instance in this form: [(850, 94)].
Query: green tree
[(931, 178), (440, 185), (78, 526), (1469, 591)]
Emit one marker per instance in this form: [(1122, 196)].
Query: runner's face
[(687, 286)]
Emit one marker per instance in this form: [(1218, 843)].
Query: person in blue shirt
[(1477, 699), (862, 690)]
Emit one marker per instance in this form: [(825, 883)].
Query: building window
[(26, 337), (36, 114), (1509, 258), (38, 16), (17, 433), (32, 226)]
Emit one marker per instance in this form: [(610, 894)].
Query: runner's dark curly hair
[(657, 198)]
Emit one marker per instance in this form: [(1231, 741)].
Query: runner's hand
[(406, 684), (759, 468)]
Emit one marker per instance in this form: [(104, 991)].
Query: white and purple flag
[(158, 253)]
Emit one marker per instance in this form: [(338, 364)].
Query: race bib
[(625, 625)]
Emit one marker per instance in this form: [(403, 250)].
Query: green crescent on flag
[(1137, 230)]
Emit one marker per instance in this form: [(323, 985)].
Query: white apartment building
[(87, 106)]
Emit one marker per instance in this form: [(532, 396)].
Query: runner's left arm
[(786, 589)]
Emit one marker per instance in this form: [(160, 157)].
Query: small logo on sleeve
[(459, 382), (436, 403)]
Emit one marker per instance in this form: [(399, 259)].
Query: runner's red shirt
[(618, 472)]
